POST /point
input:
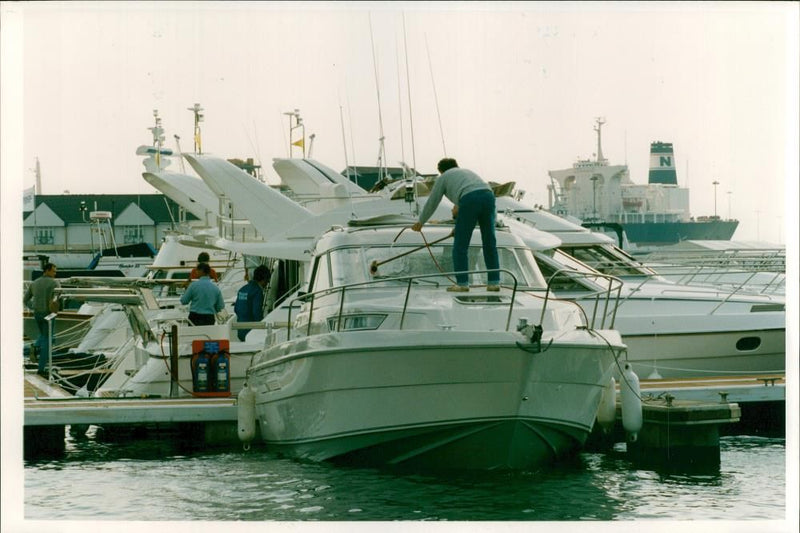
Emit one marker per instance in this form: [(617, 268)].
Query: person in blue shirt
[(204, 298), (474, 203), (249, 306)]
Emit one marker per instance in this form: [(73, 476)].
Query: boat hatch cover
[(483, 299)]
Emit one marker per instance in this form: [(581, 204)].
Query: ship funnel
[(662, 164)]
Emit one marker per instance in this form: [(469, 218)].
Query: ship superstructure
[(657, 213)]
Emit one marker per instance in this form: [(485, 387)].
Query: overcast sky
[(509, 89)]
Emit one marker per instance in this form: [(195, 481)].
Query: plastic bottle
[(201, 373), (221, 369)]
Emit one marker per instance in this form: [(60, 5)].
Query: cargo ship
[(602, 196)]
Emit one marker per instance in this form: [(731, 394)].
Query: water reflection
[(115, 480)]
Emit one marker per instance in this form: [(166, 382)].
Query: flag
[(29, 199), (298, 142)]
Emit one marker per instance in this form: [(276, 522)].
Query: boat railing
[(409, 281), (612, 291), (750, 268)]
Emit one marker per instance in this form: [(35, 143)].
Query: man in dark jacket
[(249, 305)]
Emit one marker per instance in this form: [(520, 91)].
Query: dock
[(739, 389), (683, 418), (48, 409)]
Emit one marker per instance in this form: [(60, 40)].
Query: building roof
[(68, 206)]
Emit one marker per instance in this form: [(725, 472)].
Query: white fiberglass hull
[(707, 354), (432, 399), (681, 339)]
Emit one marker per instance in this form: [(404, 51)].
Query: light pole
[(715, 183), (594, 196)]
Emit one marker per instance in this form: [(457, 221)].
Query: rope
[(375, 264)]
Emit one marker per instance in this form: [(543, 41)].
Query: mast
[(598, 128), (198, 118), (158, 137), (298, 123)]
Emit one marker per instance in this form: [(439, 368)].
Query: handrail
[(310, 298), (614, 284)]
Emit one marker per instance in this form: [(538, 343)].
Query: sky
[(511, 90)]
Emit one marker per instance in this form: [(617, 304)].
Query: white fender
[(607, 410), (631, 403), (246, 413)]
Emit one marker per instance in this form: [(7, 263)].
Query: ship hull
[(662, 233)]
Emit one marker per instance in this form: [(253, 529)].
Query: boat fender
[(631, 403), (246, 414), (607, 410)]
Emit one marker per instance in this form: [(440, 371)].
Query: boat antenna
[(180, 153), (435, 96), (399, 98), (382, 171), (411, 181), (598, 128), (408, 86), (344, 145), (198, 118)]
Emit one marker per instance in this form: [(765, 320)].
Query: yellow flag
[(298, 142)]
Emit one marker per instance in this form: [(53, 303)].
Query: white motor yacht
[(672, 330), (381, 364)]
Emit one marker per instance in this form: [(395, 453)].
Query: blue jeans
[(476, 207), (43, 341)]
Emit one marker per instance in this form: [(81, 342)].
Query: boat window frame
[(530, 272)]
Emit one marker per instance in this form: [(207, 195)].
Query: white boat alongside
[(671, 329), (382, 365)]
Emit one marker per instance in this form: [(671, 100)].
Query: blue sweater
[(204, 297)]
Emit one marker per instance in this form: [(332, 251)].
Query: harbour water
[(160, 480)]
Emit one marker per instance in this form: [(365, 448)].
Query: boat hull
[(450, 400), (662, 233), (692, 355)]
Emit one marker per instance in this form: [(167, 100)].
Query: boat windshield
[(349, 265), (608, 260)]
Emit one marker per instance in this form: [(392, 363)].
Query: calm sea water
[(155, 479)]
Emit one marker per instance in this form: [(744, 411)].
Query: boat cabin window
[(345, 266), (321, 278), (563, 282), (607, 260), (169, 289)]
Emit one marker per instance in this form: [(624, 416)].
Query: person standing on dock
[(203, 257), (249, 306), (474, 204), (39, 299), (204, 298)]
